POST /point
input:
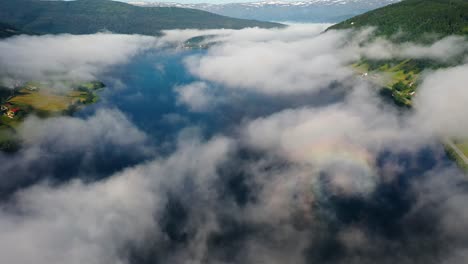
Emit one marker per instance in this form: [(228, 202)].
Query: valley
[(142, 133)]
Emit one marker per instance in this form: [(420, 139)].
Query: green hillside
[(90, 16), (409, 20), (423, 21), (415, 19)]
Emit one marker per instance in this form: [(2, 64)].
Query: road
[(457, 150)]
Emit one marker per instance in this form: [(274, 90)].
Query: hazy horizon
[(205, 1)]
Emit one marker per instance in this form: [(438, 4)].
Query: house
[(5, 107), (12, 112), (31, 87)]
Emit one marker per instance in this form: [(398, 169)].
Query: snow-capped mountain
[(322, 11)]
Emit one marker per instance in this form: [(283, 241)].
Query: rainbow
[(350, 169)]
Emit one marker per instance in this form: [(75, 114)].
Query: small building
[(32, 87), (13, 112)]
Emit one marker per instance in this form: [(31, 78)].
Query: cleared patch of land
[(43, 101), (462, 146), (458, 151), (398, 79)]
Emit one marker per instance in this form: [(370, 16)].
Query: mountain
[(415, 19), (90, 16), (7, 30), (318, 11)]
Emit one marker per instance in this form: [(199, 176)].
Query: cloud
[(77, 222), (66, 57), (97, 222), (62, 148), (302, 58), (442, 101), (444, 50), (291, 33), (106, 127), (360, 120), (342, 140), (287, 64), (309, 164), (195, 95)]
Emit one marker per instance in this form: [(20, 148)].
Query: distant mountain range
[(319, 11), (91, 16)]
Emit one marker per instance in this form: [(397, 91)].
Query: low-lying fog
[(264, 148)]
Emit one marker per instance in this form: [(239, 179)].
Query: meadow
[(43, 101)]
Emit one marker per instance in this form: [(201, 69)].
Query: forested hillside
[(413, 19), (90, 16)]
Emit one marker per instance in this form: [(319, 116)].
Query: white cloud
[(442, 102), (106, 127), (288, 64), (444, 50), (87, 146), (96, 222), (77, 222), (66, 57), (290, 159), (196, 96), (303, 58)]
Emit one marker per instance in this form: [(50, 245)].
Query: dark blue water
[(144, 91)]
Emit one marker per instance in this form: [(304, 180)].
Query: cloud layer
[(66, 57), (311, 164)]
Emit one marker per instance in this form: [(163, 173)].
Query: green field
[(456, 158), (463, 146), (398, 78), (40, 100)]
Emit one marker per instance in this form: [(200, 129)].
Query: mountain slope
[(423, 21), (8, 30), (415, 18), (90, 16), (317, 11)]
